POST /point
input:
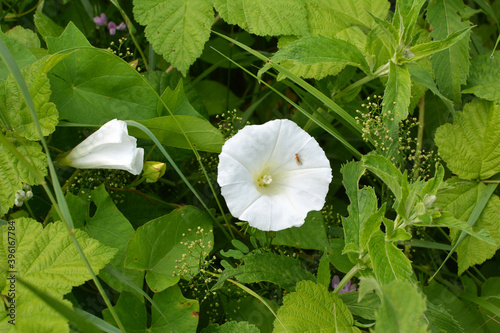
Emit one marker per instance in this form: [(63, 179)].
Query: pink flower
[(112, 28), (101, 20)]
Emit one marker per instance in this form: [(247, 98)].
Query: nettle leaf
[(47, 258), (439, 320), (405, 17), (278, 269), (469, 145), (265, 18), (460, 201), (484, 78), (419, 74), (171, 246), (363, 206), (451, 66), (178, 29), (13, 106), (13, 173), (111, 228), (397, 96), (179, 314), (313, 307), (200, 132), (389, 263), (231, 327), (319, 56), (402, 307)]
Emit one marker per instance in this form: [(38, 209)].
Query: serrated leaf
[(365, 307), (111, 228), (13, 173), (469, 145), (162, 247), (484, 78), (397, 95), (405, 17), (177, 29), (319, 56), (231, 327), (440, 320), (460, 201), (421, 75), (451, 66), (47, 258), (363, 205), (278, 269), (265, 18), (389, 263), (22, 55), (388, 173), (26, 36), (13, 106), (402, 306), (200, 132), (313, 307)]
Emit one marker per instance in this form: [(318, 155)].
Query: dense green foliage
[(403, 96)]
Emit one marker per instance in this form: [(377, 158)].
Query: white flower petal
[(110, 147), (272, 175)]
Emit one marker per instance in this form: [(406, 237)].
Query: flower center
[(265, 180)]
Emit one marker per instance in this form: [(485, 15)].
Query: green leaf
[(440, 320), (177, 102), (389, 263), (13, 106), (92, 86), (171, 247), (22, 55), (179, 314), (426, 49), (311, 235), (468, 146), (339, 260), (319, 56), (200, 132), (388, 173), (111, 228), (177, 29), (365, 307), (217, 97), (402, 306), (45, 26), (231, 327), (405, 17), (47, 258), (484, 78), (250, 309), (265, 18), (421, 75), (26, 36), (363, 205), (451, 66), (460, 201), (13, 173), (313, 307), (323, 276), (284, 271), (397, 95)]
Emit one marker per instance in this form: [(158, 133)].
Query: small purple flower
[(101, 20), (121, 26), (347, 288), (112, 28)]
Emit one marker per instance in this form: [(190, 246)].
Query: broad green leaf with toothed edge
[(469, 146), (177, 29), (13, 173), (313, 307), (484, 78), (459, 200), (265, 18)]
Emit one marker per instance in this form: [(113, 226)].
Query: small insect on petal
[(297, 159)]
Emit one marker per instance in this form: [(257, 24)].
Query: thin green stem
[(420, 136), (346, 278)]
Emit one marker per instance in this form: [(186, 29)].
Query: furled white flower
[(272, 175), (110, 147)]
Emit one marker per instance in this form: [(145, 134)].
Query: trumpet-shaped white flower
[(272, 175), (110, 147)]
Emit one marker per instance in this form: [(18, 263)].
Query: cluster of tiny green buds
[(229, 122), (23, 195), (120, 49), (88, 180), (374, 122)]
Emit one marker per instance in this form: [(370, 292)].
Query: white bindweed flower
[(272, 175), (110, 147)]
